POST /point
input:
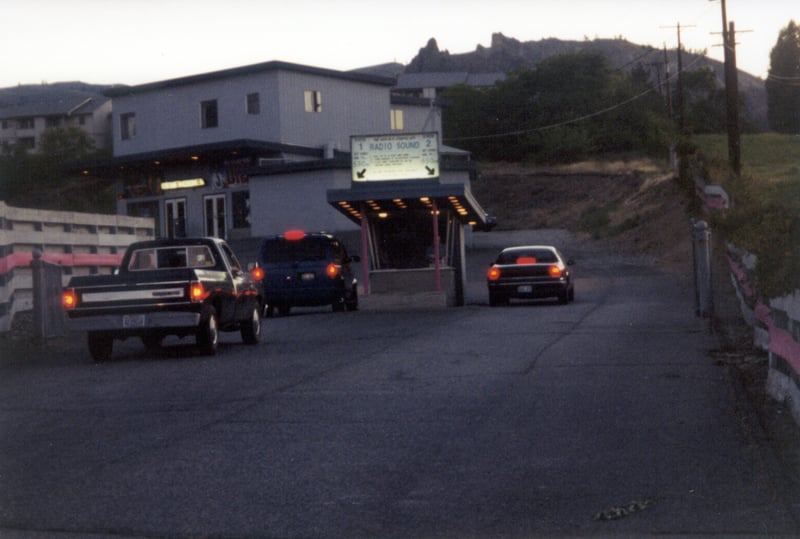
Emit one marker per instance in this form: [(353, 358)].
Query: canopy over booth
[(412, 224)]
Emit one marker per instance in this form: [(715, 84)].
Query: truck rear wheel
[(207, 337), (101, 345), (251, 328)]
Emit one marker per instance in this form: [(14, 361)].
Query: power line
[(565, 122)]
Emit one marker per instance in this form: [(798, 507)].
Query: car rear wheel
[(101, 345), (208, 333), (251, 328)]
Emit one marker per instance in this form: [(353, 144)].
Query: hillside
[(506, 54), (633, 204)]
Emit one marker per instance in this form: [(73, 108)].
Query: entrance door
[(175, 215), (215, 216)]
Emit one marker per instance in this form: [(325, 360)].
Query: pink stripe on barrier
[(741, 277), (783, 344), (23, 260)]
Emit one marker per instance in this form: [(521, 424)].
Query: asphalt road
[(528, 420)]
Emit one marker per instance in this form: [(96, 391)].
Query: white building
[(251, 151)]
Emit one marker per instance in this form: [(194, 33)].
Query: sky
[(140, 41)]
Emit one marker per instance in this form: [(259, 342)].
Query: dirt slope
[(633, 204)]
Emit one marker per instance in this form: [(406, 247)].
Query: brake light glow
[(493, 274), (258, 273), (294, 235), (526, 260), (197, 292), (555, 271), (69, 299), (332, 270)]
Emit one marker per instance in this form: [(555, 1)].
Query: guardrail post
[(48, 317), (701, 248)]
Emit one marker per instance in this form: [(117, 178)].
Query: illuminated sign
[(395, 157), (183, 184)]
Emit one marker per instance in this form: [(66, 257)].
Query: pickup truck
[(185, 286)]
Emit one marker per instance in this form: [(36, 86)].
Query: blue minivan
[(307, 269)]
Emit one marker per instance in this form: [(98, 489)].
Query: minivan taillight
[(332, 270)]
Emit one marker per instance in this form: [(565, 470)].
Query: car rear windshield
[(541, 256), (279, 251)]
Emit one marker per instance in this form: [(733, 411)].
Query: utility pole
[(731, 93), (679, 97)]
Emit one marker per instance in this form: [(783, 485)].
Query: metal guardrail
[(80, 243)]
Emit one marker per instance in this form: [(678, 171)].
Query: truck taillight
[(197, 292), (69, 299), (332, 270), (258, 273)]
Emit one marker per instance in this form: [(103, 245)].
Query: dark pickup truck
[(186, 286)]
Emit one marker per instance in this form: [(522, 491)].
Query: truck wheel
[(251, 328), (100, 345), (207, 337)]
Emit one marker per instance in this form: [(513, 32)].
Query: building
[(251, 151), (23, 120), (256, 150)]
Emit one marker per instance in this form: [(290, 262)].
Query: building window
[(397, 120), (313, 101), (25, 123), (127, 125), (52, 121), (253, 104), (208, 114)]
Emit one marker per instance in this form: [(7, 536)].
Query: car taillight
[(332, 270), (493, 274), (555, 272), (258, 273), (69, 299), (197, 292)]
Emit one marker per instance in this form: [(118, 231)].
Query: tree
[(783, 81)]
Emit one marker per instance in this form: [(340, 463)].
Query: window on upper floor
[(396, 120), (52, 121), (25, 123), (209, 116), (313, 99), (253, 103), (127, 125)]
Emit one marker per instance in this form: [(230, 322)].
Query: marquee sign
[(395, 157)]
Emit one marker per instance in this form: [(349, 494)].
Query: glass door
[(215, 216), (175, 216)]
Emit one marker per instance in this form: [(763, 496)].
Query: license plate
[(309, 276), (525, 289), (133, 320)]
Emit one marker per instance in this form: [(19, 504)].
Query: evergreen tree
[(783, 81)]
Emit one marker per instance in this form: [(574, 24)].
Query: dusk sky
[(139, 41)]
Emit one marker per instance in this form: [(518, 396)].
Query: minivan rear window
[(280, 250)]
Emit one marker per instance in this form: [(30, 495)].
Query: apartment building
[(23, 121)]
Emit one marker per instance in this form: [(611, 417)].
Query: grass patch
[(765, 218)]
